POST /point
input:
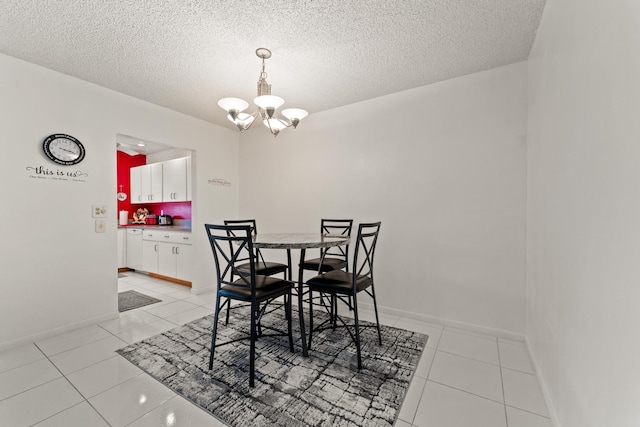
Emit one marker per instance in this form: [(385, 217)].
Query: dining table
[(301, 241)]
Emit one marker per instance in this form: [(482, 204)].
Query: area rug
[(128, 300), (324, 389)]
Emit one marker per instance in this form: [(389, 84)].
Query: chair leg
[(252, 347), (310, 319), (214, 332), (228, 302), (355, 316), (287, 308), (375, 308)]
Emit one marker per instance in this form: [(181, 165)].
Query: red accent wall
[(178, 210)]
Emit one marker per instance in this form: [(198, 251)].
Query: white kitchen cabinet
[(146, 183), (168, 253), (175, 175), (122, 248)]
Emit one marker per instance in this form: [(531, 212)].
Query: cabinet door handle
[(155, 248), (177, 253)]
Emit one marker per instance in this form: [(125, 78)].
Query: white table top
[(298, 240)]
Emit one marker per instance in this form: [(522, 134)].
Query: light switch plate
[(99, 211), (101, 225)]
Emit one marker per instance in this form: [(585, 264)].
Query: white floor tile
[(519, 418), (471, 346), (130, 400), (19, 356), (72, 339), (39, 403), (433, 331), (128, 320), (523, 392), (412, 399), (202, 299), (27, 377), (400, 423), (425, 363), (81, 357), (174, 307), (81, 415), (177, 412), (142, 332), (443, 406), (515, 357), (103, 375), (189, 315), (180, 295), (480, 378)]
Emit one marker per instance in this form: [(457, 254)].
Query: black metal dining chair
[(340, 285), (228, 242), (334, 258), (263, 268)]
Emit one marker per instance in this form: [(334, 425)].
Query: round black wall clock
[(63, 149)]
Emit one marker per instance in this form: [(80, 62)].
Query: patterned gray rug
[(128, 300), (324, 389)]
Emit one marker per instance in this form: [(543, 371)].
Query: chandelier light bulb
[(267, 105)]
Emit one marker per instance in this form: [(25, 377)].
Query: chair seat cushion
[(328, 264), (264, 268), (266, 287), (338, 281)]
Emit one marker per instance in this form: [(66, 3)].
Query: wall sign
[(219, 181)]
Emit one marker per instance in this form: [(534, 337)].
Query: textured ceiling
[(186, 54)]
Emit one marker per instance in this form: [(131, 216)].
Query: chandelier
[(267, 106)]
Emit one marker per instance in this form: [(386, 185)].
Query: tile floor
[(76, 379)]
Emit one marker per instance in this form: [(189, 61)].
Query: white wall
[(584, 208), (57, 272), (443, 168)]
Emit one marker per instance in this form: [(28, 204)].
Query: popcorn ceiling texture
[(186, 54)]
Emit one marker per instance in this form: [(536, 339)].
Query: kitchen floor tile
[(177, 412), (434, 331), (412, 399), (171, 308), (80, 415), (103, 375), (81, 357), (72, 339), (27, 377), (471, 346), (480, 378), (10, 359), (422, 370), (189, 315), (142, 332), (515, 357), (130, 400), (128, 320), (39, 403), (519, 418), (522, 391), (400, 423), (443, 406)]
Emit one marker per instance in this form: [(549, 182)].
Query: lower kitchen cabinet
[(167, 253)]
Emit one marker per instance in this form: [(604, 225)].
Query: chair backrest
[(365, 249), (228, 243), (336, 227), (254, 231)]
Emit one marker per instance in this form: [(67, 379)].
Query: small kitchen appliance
[(164, 219)]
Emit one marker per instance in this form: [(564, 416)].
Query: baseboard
[(170, 279), (56, 331), (546, 395), (515, 336)]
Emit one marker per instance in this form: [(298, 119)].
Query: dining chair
[(263, 267), (228, 242), (341, 284), (333, 258)]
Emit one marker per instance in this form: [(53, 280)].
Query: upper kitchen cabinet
[(167, 181), (176, 180), (146, 183)]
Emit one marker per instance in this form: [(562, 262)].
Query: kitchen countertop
[(158, 227)]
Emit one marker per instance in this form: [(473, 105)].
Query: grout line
[(504, 398), (467, 392)]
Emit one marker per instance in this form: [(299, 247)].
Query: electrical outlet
[(99, 211), (101, 225)]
